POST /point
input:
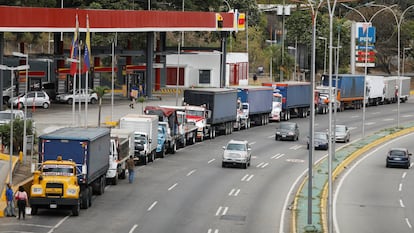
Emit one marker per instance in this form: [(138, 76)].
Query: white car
[(34, 98), (5, 115), (237, 153), (79, 95)]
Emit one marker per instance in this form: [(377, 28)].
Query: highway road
[(190, 191), (373, 198)]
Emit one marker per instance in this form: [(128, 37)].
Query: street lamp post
[(324, 56), (26, 56), (366, 59), (12, 70), (403, 61), (296, 54)]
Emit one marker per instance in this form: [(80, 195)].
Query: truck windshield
[(195, 113), (277, 99), (57, 170), (140, 139)]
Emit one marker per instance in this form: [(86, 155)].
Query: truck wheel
[(213, 133), (70, 101), (161, 154), (174, 148), (75, 210), (193, 140), (122, 175), (85, 199), (115, 180), (90, 196), (153, 156), (34, 210)]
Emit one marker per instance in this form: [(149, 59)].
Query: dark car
[(320, 140), (398, 157), (287, 131)]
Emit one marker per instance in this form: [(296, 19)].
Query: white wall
[(192, 63)]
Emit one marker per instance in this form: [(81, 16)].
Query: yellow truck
[(73, 163)]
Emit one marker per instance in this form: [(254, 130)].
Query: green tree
[(18, 128), (100, 92)]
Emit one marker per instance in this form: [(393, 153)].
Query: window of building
[(204, 76)]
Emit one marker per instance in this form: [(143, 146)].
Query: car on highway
[(398, 157), (32, 98), (320, 140), (79, 95), (342, 133), (287, 131), (237, 153)]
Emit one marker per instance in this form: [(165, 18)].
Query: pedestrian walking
[(22, 201), (130, 167), (10, 202), (133, 96)]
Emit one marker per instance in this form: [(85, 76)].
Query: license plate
[(283, 136), (397, 159), (53, 206)]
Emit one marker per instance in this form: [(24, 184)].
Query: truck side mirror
[(84, 169), (150, 140)]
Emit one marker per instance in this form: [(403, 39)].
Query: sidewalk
[(343, 157)]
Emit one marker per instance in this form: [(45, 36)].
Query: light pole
[(366, 58), (296, 55), (403, 61), (12, 70), (26, 56), (178, 73), (324, 56)]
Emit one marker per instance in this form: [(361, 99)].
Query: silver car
[(32, 98), (342, 133), (237, 153)]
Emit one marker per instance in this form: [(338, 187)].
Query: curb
[(350, 153)]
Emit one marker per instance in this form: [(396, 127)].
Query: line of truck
[(75, 163)]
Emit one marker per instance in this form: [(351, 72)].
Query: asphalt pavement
[(59, 115)]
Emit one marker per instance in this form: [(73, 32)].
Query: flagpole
[(73, 102), (87, 67), (80, 86)]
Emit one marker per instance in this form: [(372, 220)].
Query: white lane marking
[(133, 228), (172, 186), (295, 147), (211, 231), (252, 143), (352, 128), (295, 160), (58, 224), (250, 177), (191, 172), (400, 187), (408, 223), (274, 156), (231, 192), (388, 119), (211, 160), (403, 175), (355, 116), (271, 136), (152, 206), (370, 123), (247, 177), (407, 116), (260, 164), (237, 193), (218, 210), (402, 203), (277, 156), (225, 210), (374, 113)]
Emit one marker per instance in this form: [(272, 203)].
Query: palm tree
[(100, 91)]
